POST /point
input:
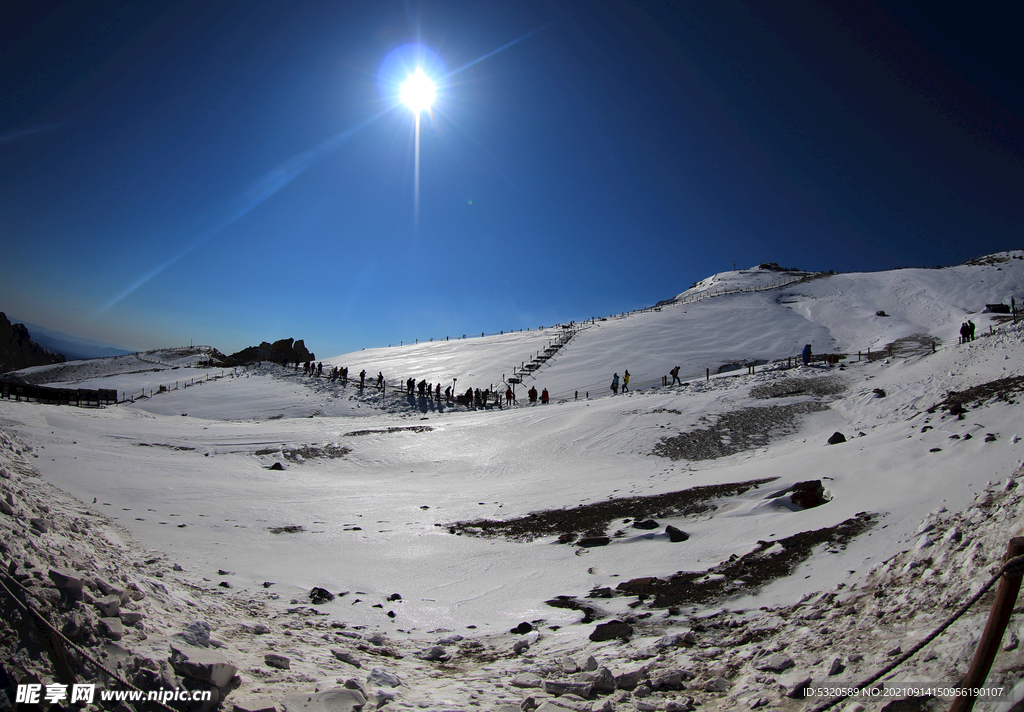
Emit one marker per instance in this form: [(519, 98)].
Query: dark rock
[(808, 494), (645, 524), (276, 466), (836, 438), (522, 629), (278, 661), (345, 657), (18, 350), (880, 393), (676, 535), (611, 630), (589, 541), (320, 595), (564, 687)]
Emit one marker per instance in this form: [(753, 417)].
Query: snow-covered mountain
[(380, 493)]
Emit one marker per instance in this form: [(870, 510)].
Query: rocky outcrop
[(18, 350), (283, 351)]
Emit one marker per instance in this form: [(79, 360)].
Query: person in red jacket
[(544, 396)]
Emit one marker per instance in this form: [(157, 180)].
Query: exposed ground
[(736, 431), (769, 561), (1005, 389), (594, 519)]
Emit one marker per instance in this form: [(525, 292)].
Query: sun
[(418, 91)]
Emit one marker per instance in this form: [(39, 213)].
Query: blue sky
[(229, 172)]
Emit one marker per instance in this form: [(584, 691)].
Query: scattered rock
[(320, 595), (275, 660), (611, 630), (645, 524), (777, 662), (717, 684), (526, 680), (794, 684), (589, 541), (564, 687), (382, 678), (201, 664), (837, 438), (434, 653), (676, 535), (345, 657), (336, 699), (111, 628), (808, 494)]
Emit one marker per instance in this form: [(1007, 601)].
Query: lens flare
[(418, 91)]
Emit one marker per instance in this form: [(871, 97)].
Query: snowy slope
[(375, 495)]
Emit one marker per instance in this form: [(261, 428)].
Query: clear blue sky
[(231, 172)]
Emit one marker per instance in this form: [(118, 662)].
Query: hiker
[(625, 381), (423, 388), (438, 392), (362, 378), (806, 354), (615, 384), (447, 394), (970, 326), (544, 397), (533, 394), (965, 332), (675, 376), (508, 396)]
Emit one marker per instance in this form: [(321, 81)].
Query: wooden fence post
[(988, 646)]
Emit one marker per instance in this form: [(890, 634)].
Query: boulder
[(629, 680), (566, 687), (345, 657), (108, 606), (676, 535), (196, 633), (335, 699), (526, 680), (602, 679), (611, 630), (837, 438), (278, 661), (434, 653), (201, 664), (645, 524), (808, 494), (717, 684), (111, 628), (794, 684), (253, 703), (65, 579), (320, 595), (776, 662), (589, 541), (382, 678)]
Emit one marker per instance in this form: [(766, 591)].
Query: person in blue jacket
[(807, 354)]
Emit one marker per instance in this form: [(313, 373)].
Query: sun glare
[(418, 91)]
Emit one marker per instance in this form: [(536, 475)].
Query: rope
[(1013, 567), (43, 622)]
